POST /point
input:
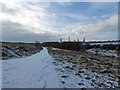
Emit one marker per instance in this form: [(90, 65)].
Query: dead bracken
[(96, 63)]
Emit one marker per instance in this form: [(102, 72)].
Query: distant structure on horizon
[(77, 40), (68, 39), (83, 42), (60, 40)]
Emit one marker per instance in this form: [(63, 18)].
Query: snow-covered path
[(43, 71), (35, 71)]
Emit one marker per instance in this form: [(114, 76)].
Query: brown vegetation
[(96, 63)]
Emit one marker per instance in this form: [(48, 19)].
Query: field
[(13, 44), (15, 50), (91, 68)]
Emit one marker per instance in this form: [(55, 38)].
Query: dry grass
[(96, 63)]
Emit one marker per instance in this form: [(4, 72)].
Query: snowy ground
[(106, 43), (43, 71), (8, 52), (34, 72), (72, 77), (103, 52)]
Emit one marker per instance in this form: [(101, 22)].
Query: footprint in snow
[(64, 76)]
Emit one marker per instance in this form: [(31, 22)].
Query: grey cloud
[(16, 32), (7, 10)]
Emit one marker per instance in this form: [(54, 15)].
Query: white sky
[(31, 21)]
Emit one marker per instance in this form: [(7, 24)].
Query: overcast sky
[(48, 21)]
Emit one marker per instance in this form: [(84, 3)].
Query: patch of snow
[(103, 52), (82, 80), (106, 43), (15, 52), (10, 51), (56, 48)]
